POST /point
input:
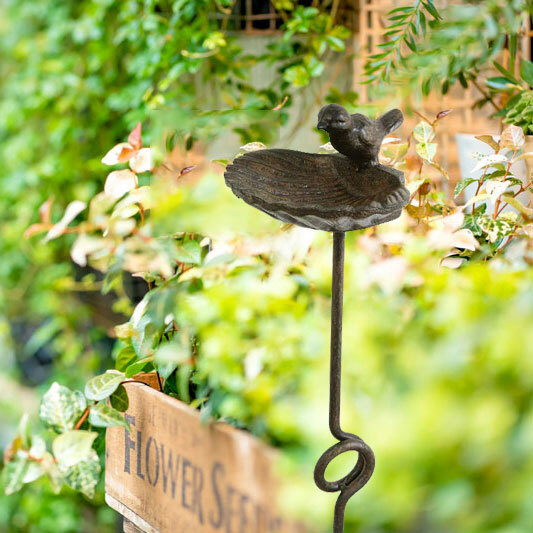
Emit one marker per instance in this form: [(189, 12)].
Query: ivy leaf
[(495, 229), (119, 399), (24, 431), (33, 472), (52, 470), (168, 356), (489, 160), (73, 446), (462, 185), (190, 252), (14, 472), (102, 386), (138, 366), (426, 151), (104, 416), (527, 212), (512, 138), (84, 475), (61, 408), (423, 132)]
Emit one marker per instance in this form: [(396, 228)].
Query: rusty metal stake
[(362, 471)]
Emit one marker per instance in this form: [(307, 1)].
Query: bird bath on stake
[(340, 192)]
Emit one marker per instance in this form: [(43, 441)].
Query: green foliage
[(455, 47)]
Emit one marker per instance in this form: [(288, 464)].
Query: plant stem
[(486, 95), (83, 418)]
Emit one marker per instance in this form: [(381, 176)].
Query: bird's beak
[(322, 125)]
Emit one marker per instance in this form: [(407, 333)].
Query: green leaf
[(423, 132), (104, 416), (138, 366), (462, 185), (53, 472), (431, 9), (488, 139), (25, 430), (335, 43), (72, 446), (102, 386), (169, 355), (84, 475), (526, 71), (297, 75), (119, 399), (14, 472), (125, 357), (61, 408), (499, 83), (505, 72), (190, 252), (519, 206), (33, 472), (426, 151)]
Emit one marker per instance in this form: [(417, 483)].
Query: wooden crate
[(174, 474)]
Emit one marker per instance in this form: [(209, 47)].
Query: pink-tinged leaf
[(465, 239), (442, 114), (84, 246), (452, 262), (71, 212), (35, 229), (141, 161), (118, 154), (135, 137), (453, 222), (45, 211), (512, 138), (119, 182)]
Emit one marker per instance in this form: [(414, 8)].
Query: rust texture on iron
[(346, 191)]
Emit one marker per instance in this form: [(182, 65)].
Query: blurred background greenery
[(437, 362)]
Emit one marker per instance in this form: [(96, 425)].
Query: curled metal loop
[(360, 474), (354, 481)]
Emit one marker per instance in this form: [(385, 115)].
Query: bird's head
[(334, 118)]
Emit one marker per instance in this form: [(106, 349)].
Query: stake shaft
[(362, 471), (337, 288)]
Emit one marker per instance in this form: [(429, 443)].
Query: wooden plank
[(173, 474), (130, 527)]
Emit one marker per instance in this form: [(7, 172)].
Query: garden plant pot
[(174, 473)]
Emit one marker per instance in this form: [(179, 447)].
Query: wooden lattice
[(465, 118)]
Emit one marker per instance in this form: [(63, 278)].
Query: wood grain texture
[(173, 474)]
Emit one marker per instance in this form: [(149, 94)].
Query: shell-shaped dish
[(322, 192)]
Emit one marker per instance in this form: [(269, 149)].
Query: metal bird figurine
[(332, 192), (339, 193)]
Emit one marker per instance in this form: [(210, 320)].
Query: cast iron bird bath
[(336, 192)]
